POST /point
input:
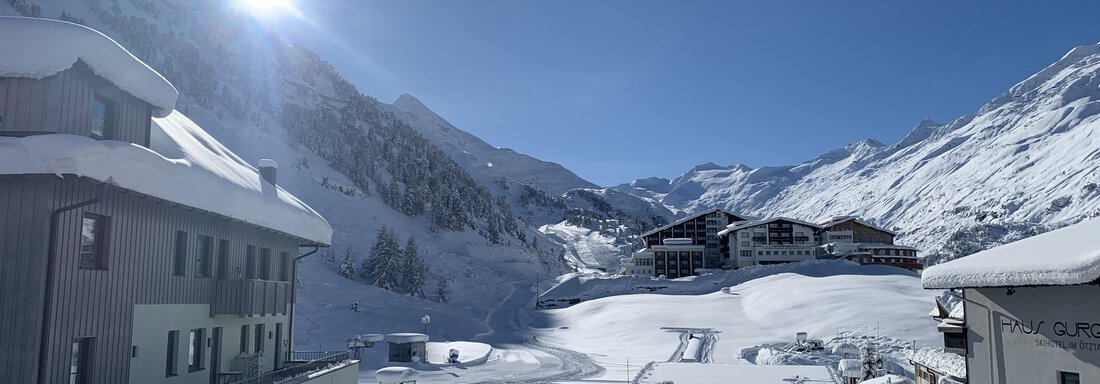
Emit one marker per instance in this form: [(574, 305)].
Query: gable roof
[(833, 222), (37, 48), (1066, 256), (749, 224), (693, 217)]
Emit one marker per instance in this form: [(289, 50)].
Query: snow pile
[(935, 358), (578, 287), (395, 375), (404, 338), (186, 166), (38, 48), (1066, 256), (469, 353), (888, 379)]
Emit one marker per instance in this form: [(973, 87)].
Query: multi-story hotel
[(770, 241), (702, 229), (135, 248), (673, 258)]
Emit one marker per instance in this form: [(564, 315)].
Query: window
[(244, 338), (744, 243), (284, 266), (265, 263), (79, 361), (195, 351), (204, 256), (746, 253), (170, 361), (744, 234), (259, 338), (1069, 378), (223, 259), (179, 266), (250, 262), (93, 236), (103, 110)]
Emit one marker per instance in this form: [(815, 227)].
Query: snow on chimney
[(267, 170)]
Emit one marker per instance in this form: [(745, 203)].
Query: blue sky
[(619, 90)]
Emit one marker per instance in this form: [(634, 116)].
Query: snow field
[(768, 310)]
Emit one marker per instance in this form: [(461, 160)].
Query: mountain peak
[(409, 103)]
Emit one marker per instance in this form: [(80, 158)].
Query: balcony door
[(279, 349)]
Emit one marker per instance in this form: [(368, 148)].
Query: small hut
[(408, 347)]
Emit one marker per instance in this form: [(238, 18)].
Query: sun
[(267, 7)]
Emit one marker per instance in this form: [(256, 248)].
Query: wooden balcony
[(250, 297)]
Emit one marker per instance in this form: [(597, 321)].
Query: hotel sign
[(1072, 335)]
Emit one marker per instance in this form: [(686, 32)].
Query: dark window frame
[(245, 332), (110, 118), (265, 264), (204, 253), (258, 346), (80, 359), (284, 266), (96, 258), (196, 350), (171, 360), (179, 254), (1065, 377), (250, 262), (223, 259)]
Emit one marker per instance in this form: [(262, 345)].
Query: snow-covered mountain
[(1030, 157), (488, 164)]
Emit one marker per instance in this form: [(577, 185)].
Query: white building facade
[(672, 259), (770, 241)]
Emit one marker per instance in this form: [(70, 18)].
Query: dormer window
[(103, 118)]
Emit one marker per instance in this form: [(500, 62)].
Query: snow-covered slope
[(486, 163), (1030, 157)]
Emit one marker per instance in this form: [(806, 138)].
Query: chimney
[(267, 170)]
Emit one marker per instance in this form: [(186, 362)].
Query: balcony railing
[(250, 297), (301, 363)]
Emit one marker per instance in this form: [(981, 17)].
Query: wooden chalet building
[(118, 265)]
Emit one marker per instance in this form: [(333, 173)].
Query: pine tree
[(442, 291), (413, 270), (383, 268), (347, 266)]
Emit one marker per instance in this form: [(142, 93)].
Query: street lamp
[(426, 320)]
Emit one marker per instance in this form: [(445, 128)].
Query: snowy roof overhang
[(692, 217), (1067, 256), (845, 219), (941, 361), (749, 224), (186, 166), (37, 48)]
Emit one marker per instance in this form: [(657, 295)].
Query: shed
[(407, 347)]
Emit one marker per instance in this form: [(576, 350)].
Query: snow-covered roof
[(403, 338), (944, 362), (372, 337), (37, 48), (1066, 256), (749, 224), (185, 166), (691, 217), (390, 375), (844, 219), (850, 368)]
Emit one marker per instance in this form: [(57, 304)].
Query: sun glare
[(267, 7)]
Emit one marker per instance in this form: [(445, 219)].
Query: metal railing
[(300, 364)]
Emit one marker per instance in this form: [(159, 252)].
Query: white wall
[(1031, 335), (153, 322)]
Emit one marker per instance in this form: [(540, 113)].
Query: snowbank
[(722, 373), (37, 48), (185, 166), (1066, 256), (402, 338), (946, 362), (469, 353), (580, 287), (394, 375)]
